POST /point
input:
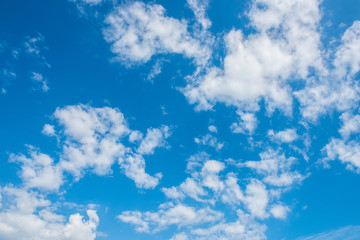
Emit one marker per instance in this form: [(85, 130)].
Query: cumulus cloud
[(247, 123), (169, 214), (27, 215), (348, 152), (154, 138), (137, 31), (91, 139), (285, 136), (275, 168), (39, 171), (261, 65)]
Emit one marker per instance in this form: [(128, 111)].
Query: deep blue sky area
[(179, 120)]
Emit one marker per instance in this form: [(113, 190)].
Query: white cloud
[(346, 60), (38, 79), (285, 136), (89, 2), (336, 90), (180, 236), (154, 138), (261, 65), (173, 193), (137, 31), (212, 129), (27, 215), (351, 124), (257, 199), (155, 70), (193, 189), (245, 228), (39, 171), (247, 124), (31, 44), (48, 130), (169, 214), (209, 140), (7, 75), (345, 233), (347, 152), (134, 168), (279, 211), (199, 8), (232, 192), (275, 168), (91, 138)]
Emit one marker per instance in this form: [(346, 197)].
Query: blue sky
[(179, 120)]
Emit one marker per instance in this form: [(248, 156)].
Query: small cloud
[(40, 80), (155, 70), (48, 130), (212, 129)]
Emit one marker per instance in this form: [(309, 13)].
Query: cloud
[(350, 124), (39, 171), (345, 233), (285, 136), (243, 229), (286, 44), (137, 31), (91, 139), (38, 79), (209, 140), (275, 168), (154, 138), (247, 123), (169, 214), (199, 8), (27, 215), (155, 70), (347, 152)]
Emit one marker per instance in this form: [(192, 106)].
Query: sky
[(179, 120)]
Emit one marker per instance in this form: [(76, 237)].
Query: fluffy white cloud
[(134, 168), (257, 199), (27, 215), (154, 138), (48, 130), (351, 124), (347, 152), (279, 211), (91, 138), (245, 228), (169, 214), (261, 65), (347, 61), (39, 171), (285, 136), (336, 90), (275, 168), (247, 123), (137, 31)]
